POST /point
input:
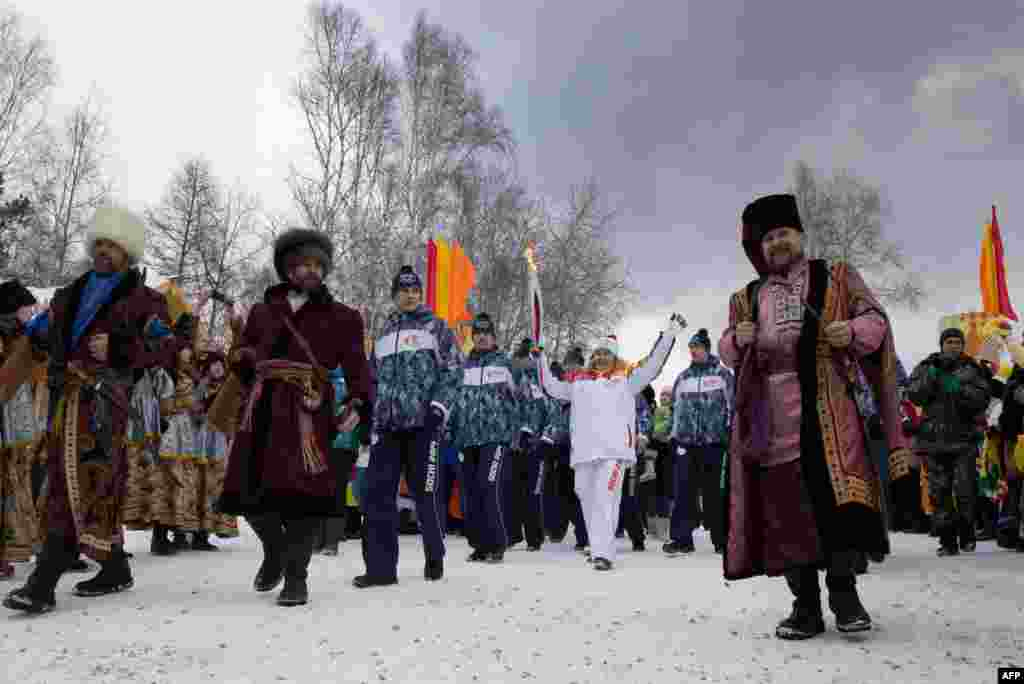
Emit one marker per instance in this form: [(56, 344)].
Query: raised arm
[(650, 368)]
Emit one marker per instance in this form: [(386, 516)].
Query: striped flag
[(995, 296), (534, 300)]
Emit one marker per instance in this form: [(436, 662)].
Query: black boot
[(115, 575), (271, 534), (36, 596), (806, 620), (968, 537), (845, 604), (160, 545), (433, 570), (367, 581), (948, 543), (180, 541), (201, 541), (299, 538)]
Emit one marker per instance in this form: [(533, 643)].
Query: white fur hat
[(121, 227)]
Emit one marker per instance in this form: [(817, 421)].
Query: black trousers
[(288, 541), (840, 577), (331, 530)]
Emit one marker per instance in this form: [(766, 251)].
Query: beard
[(781, 259), (308, 284), (102, 263)]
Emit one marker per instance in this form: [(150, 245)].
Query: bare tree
[(843, 218), (497, 219), (586, 287), (347, 96), (235, 239), (189, 212), (15, 217), (446, 124), (68, 184), (27, 73)]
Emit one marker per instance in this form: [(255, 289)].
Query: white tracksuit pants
[(599, 487)]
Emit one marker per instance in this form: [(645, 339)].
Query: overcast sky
[(684, 111)]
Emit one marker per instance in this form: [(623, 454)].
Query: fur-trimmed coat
[(90, 507), (267, 472)]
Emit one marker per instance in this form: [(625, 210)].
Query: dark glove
[(185, 327), (526, 441), (9, 325)]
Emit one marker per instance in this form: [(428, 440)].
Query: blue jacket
[(558, 428), (487, 407), (535, 403), (702, 404), (417, 364)]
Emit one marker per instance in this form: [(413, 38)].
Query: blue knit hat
[(701, 337)]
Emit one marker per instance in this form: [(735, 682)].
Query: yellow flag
[(177, 304), (444, 270)]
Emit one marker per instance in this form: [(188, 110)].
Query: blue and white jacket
[(487, 407), (557, 430), (417, 364), (535, 403), (702, 404)]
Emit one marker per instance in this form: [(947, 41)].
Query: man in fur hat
[(953, 390), (802, 493), (280, 475), (418, 368), (94, 337)]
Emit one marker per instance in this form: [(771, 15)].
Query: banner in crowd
[(995, 296), (450, 278)]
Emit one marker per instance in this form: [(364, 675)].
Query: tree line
[(399, 151)]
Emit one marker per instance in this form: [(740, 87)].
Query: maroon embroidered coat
[(270, 467), (87, 472)]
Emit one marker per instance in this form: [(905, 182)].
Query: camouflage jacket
[(557, 430), (487, 407), (417, 364), (702, 399), (536, 404)]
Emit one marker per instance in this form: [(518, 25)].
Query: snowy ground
[(544, 617)]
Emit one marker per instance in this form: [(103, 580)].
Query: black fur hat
[(13, 296), (303, 242), (764, 215)]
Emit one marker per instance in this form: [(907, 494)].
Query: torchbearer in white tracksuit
[(603, 429)]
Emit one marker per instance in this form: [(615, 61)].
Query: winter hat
[(763, 215), (482, 324), (557, 370), (524, 348), (648, 394), (303, 243), (406, 278), (609, 343), (122, 227), (13, 296), (574, 357), (701, 337), (951, 332)]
